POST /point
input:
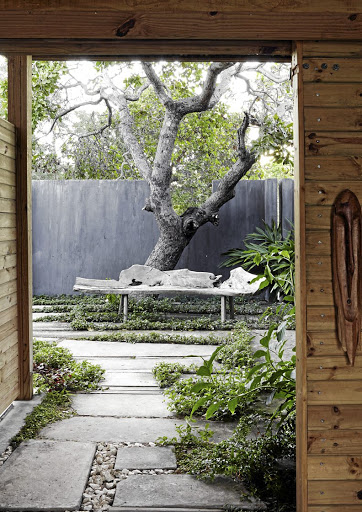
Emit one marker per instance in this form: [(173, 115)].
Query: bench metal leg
[(223, 309), (123, 307), (231, 308)]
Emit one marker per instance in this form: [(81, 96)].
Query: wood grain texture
[(300, 284), (335, 467), (319, 267), (332, 95), (347, 270), (332, 70), (323, 344), (19, 114), (319, 293), (325, 193), (7, 149), (318, 218), (321, 318), (318, 243), (333, 168), (327, 119), (333, 143), (306, 6), (9, 390), (180, 25), (335, 442), (335, 418), (333, 368), (181, 49), (333, 49), (335, 392), (328, 492)]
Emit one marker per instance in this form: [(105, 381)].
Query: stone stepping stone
[(131, 430), (52, 326), (169, 491), (138, 363), (88, 348), (130, 379), (43, 314), (45, 475), (121, 405), (146, 457)]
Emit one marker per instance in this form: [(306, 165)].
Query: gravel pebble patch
[(5, 455), (101, 487)]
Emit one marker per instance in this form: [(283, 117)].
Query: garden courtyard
[(129, 421)]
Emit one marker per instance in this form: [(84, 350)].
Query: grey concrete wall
[(95, 229)]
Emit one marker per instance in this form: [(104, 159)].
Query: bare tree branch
[(107, 125), (157, 84)]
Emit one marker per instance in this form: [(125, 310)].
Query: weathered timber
[(326, 119), (332, 168), (332, 70), (324, 193), (80, 6), (319, 293), (335, 49), (335, 442), (335, 392), (7, 149), (318, 218), (319, 266), (333, 143), (332, 368), (19, 114), (332, 95), (300, 281), (347, 271), (335, 419), (335, 467), (323, 344), (149, 24), (330, 492), (321, 318), (318, 242), (149, 50)]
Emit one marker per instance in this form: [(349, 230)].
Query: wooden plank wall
[(9, 355), (331, 106)]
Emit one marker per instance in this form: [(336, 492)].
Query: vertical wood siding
[(9, 355), (332, 162)]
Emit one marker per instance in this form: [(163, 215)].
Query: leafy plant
[(56, 370), (167, 374), (266, 248)]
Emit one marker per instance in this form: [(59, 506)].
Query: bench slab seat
[(99, 286)]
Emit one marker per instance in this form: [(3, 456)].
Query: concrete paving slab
[(146, 457), (11, 423), (88, 348), (52, 326), (121, 405), (118, 390), (45, 476), (142, 430), (177, 491), (69, 334), (137, 363), (130, 379)]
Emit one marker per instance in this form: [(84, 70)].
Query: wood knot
[(359, 495), (213, 13), (335, 409), (352, 17), (126, 27)]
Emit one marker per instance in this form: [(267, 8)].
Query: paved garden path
[(105, 457)]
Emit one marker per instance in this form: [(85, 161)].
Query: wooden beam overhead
[(151, 50), (192, 25), (160, 6)]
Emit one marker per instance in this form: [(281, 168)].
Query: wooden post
[(19, 114), (300, 288)]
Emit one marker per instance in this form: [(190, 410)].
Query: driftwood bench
[(96, 286)]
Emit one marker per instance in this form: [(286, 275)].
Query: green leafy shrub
[(167, 374), (266, 248), (56, 370)]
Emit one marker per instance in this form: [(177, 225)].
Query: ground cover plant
[(101, 313), (56, 374)]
